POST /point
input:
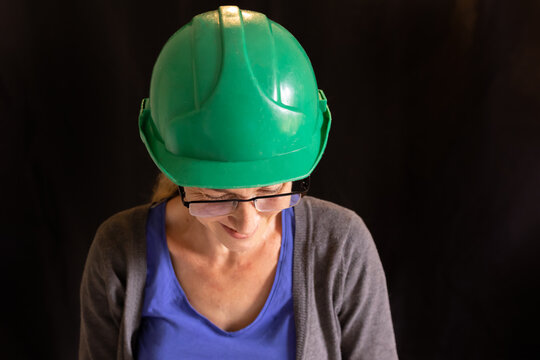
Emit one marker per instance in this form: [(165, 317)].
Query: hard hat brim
[(191, 172)]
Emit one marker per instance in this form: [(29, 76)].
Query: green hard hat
[(233, 104)]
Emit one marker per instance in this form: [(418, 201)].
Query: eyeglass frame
[(305, 183)]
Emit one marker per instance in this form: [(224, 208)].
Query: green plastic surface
[(233, 104)]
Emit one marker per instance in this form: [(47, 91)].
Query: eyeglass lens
[(211, 209)]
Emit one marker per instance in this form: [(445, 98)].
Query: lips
[(235, 234)]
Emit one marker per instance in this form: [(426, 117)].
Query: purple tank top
[(172, 329)]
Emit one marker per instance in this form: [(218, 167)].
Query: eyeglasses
[(265, 203)]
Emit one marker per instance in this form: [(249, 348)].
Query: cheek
[(210, 223)]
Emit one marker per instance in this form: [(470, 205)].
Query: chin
[(238, 242)]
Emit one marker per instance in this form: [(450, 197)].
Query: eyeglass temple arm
[(182, 196)]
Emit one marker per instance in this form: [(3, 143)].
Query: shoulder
[(125, 219), (120, 237), (324, 220), (123, 224), (319, 208), (329, 234)]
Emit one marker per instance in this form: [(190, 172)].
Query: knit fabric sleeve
[(112, 286), (341, 302), (363, 309)]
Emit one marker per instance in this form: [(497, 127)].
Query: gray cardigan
[(339, 289)]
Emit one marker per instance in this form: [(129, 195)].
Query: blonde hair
[(163, 189)]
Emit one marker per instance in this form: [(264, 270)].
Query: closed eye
[(265, 191), (215, 197), (268, 192)]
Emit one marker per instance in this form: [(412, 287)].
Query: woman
[(230, 261)]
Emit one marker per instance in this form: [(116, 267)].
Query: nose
[(245, 218)]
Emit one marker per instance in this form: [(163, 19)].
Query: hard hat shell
[(234, 104)]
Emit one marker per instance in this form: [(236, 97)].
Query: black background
[(435, 142)]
